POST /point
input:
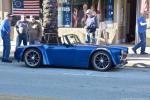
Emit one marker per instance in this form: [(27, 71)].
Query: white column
[(138, 7), (118, 7), (1, 5)]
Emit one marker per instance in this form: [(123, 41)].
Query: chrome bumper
[(124, 62), (123, 58)]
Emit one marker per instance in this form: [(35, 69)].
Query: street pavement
[(18, 82)]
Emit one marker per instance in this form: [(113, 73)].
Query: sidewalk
[(131, 54), (13, 46), (138, 60), (133, 60)]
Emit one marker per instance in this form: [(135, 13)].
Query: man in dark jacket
[(22, 28), (90, 25)]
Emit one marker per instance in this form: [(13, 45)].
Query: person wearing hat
[(35, 31), (22, 28), (90, 25), (5, 31)]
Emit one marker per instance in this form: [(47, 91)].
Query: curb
[(138, 61), (140, 64)]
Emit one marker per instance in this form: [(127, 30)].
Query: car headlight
[(123, 54)]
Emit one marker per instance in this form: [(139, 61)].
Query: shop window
[(64, 13), (72, 13), (79, 9), (109, 10)]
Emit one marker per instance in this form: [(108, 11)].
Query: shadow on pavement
[(114, 69), (141, 65)]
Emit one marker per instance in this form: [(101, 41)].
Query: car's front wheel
[(32, 58), (101, 61)]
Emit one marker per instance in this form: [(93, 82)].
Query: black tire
[(33, 58), (101, 61)]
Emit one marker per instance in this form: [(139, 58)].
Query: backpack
[(93, 25)]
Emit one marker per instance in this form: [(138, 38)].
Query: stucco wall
[(148, 37), (5, 7)]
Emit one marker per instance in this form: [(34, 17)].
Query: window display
[(79, 12), (64, 13), (72, 13), (109, 12)]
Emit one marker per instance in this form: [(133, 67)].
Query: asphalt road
[(18, 81)]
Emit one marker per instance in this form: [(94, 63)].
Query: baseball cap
[(88, 11), (9, 15), (32, 17)]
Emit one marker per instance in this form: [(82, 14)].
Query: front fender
[(106, 50)]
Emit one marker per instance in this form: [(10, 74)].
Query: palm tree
[(50, 19)]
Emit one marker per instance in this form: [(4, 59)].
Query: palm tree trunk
[(50, 16)]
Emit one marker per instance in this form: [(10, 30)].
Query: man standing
[(90, 25), (5, 31), (35, 32), (142, 27), (22, 28)]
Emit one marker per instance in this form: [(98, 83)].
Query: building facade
[(119, 15)]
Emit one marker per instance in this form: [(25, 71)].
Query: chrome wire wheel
[(32, 58), (101, 61)]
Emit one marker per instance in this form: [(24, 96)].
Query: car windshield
[(72, 39), (55, 39)]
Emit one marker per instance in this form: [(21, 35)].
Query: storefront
[(119, 15), (72, 17), (128, 12)]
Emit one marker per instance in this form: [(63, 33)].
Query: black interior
[(51, 39)]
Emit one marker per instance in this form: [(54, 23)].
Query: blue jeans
[(90, 38), (142, 43), (6, 47), (22, 37)]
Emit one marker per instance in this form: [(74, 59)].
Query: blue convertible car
[(68, 51)]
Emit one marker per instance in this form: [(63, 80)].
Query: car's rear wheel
[(101, 61), (33, 58)]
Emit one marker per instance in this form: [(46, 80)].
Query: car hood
[(110, 47)]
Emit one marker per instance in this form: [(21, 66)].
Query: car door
[(61, 55), (82, 56)]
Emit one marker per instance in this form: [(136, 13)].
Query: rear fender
[(43, 53)]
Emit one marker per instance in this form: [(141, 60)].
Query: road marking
[(79, 74)]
